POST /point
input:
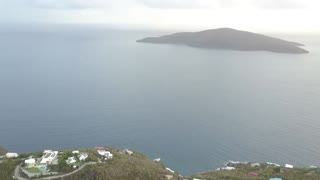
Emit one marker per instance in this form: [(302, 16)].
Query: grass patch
[(33, 170)]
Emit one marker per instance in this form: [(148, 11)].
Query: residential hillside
[(260, 171), (107, 163), (125, 167), (230, 39)]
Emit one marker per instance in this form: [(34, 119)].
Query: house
[(273, 164), (157, 160), (30, 162), (71, 160), (48, 157), (101, 152), (170, 170), (75, 152), (169, 176), (275, 179), (226, 168), (11, 155), (128, 151), (83, 156), (255, 164), (288, 166), (108, 155)]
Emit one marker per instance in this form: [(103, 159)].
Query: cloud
[(73, 4), (173, 4), (166, 4), (280, 4)]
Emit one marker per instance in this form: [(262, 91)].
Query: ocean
[(64, 87)]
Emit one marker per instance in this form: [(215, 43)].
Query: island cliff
[(230, 39)]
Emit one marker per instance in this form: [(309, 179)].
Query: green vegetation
[(7, 169), (34, 154), (264, 172), (34, 170), (124, 167), (139, 167)]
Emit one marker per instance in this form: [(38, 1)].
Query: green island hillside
[(263, 171), (106, 163)]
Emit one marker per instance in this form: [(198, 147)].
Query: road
[(17, 173)]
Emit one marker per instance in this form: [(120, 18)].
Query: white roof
[(75, 152), (83, 156), (10, 154), (101, 152), (49, 156), (105, 153), (168, 169), (288, 166), (71, 160), (229, 168), (30, 161)]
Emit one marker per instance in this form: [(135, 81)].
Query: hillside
[(263, 171), (138, 167), (230, 39), (3, 151), (123, 166)]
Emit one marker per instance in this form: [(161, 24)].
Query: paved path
[(17, 173), (65, 175)]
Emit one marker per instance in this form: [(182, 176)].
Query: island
[(228, 39), (109, 163)]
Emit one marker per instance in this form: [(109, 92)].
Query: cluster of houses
[(49, 157), (81, 157)]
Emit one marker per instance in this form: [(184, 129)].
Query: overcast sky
[(258, 15)]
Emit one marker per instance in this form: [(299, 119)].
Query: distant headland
[(229, 39)]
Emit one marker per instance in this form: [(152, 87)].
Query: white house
[(101, 152), (170, 170), (83, 156), (71, 160), (169, 177), (75, 152), (288, 166), (273, 164), (108, 155), (157, 160), (255, 164), (128, 151), (30, 163), (11, 155), (48, 157)]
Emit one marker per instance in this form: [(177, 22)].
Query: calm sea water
[(69, 87)]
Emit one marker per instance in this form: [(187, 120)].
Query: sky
[(285, 16)]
